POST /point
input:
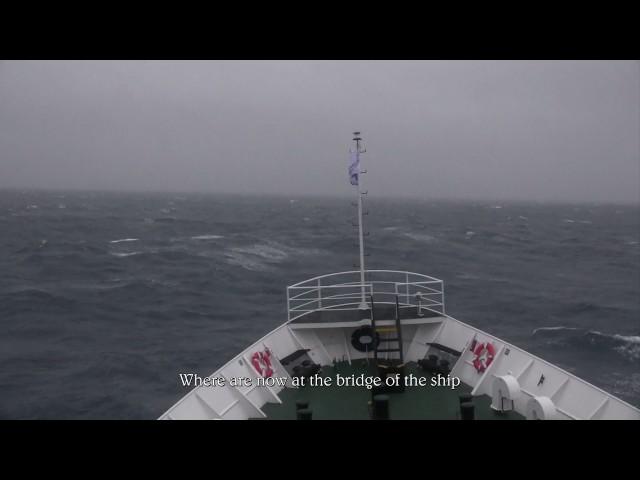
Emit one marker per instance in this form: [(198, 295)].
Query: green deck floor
[(351, 403)]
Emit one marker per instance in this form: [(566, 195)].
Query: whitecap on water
[(548, 329), (468, 276), (570, 220), (631, 352), (124, 254), (630, 347), (627, 346), (420, 237), (207, 237), (124, 240), (628, 338), (245, 261), (256, 257), (267, 252)]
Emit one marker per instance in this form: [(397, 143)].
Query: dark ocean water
[(105, 298)]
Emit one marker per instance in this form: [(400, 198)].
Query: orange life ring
[(262, 363), (484, 355)]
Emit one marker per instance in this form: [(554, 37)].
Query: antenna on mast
[(356, 179)]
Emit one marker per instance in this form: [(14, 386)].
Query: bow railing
[(344, 291)]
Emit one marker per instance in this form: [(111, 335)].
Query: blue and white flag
[(354, 168)]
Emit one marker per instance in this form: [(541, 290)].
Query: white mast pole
[(363, 303)]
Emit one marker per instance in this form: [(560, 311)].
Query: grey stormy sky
[(526, 130)]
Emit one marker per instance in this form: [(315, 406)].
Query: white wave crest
[(207, 237), (468, 276), (124, 240), (420, 237), (630, 347), (548, 329), (246, 262), (628, 338), (630, 351), (266, 252), (257, 257)]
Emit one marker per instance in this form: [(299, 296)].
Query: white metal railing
[(343, 291)]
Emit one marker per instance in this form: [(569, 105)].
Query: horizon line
[(294, 196)]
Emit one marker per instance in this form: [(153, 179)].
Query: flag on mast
[(354, 168)]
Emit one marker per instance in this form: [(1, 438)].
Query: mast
[(358, 151)]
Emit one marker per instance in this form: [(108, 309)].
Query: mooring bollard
[(381, 407), (466, 398), (467, 411), (304, 414)]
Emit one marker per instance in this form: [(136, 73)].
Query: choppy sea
[(106, 297)]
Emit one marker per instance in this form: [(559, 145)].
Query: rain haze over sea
[(516, 182), (106, 297)]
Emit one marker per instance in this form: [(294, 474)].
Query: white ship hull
[(515, 379)]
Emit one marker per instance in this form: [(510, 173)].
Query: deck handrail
[(331, 290)]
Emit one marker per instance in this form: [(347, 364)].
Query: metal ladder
[(398, 338)]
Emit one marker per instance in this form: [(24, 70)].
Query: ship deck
[(352, 403), (382, 312)]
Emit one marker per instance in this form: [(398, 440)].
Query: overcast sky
[(532, 130)]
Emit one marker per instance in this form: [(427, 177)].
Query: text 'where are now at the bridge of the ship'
[(362, 380)]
